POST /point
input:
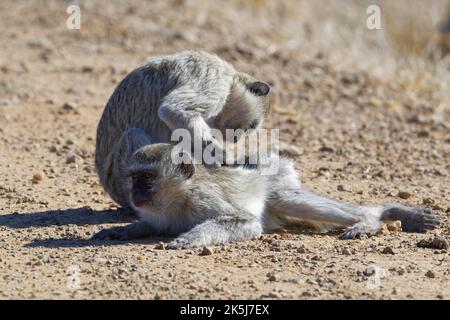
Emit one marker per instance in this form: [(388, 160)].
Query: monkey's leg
[(221, 229), (132, 231), (300, 203), (288, 198)]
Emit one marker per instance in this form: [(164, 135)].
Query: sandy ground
[(374, 135)]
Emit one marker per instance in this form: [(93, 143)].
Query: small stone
[(428, 201), (87, 69), (271, 276), (395, 226), (401, 271), (37, 177), (301, 249), (344, 187), (206, 251), (69, 106), (404, 195), (435, 243), (347, 251), (430, 274), (275, 294), (160, 246), (73, 158), (369, 271), (388, 250)]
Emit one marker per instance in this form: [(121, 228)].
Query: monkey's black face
[(142, 187), (155, 179)]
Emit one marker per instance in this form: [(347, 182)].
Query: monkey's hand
[(132, 231), (360, 230), (221, 229)]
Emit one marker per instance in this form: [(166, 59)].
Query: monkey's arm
[(222, 229), (187, 108), (132, 231)]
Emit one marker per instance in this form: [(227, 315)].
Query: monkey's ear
[(258, 88), (187, 168)]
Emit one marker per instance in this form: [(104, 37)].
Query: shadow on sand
[(77, 216)]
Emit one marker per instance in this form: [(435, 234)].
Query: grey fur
[(224, 204), (191, 90)]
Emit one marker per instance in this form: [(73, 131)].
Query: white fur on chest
[(253, 201)]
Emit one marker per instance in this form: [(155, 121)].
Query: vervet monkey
[(196, 91), (202, 205)]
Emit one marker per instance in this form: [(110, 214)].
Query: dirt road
[(375, 135)]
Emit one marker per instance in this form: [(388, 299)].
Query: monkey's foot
[(359, 230), (132, 231), (413, 219)]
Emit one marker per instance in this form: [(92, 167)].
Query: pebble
[(160, 246), (404, 195), (271, 277), (37, 177), (435, 243), (206, 251), (73, 158), (344, 187), (395, 226), (301, 249), (430, 274), (347, 251), (388, 250), (369, 271), (70, 106), (275, 294), (428, 201)]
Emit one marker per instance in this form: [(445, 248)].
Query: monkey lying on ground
[(208, 205), (196, 91)]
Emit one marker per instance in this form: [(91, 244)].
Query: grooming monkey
[(196, 91), (202, 205)]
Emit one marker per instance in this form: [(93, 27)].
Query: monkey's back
[(135, 102)]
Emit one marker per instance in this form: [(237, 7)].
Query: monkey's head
[(154, 181), (247, 106)]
